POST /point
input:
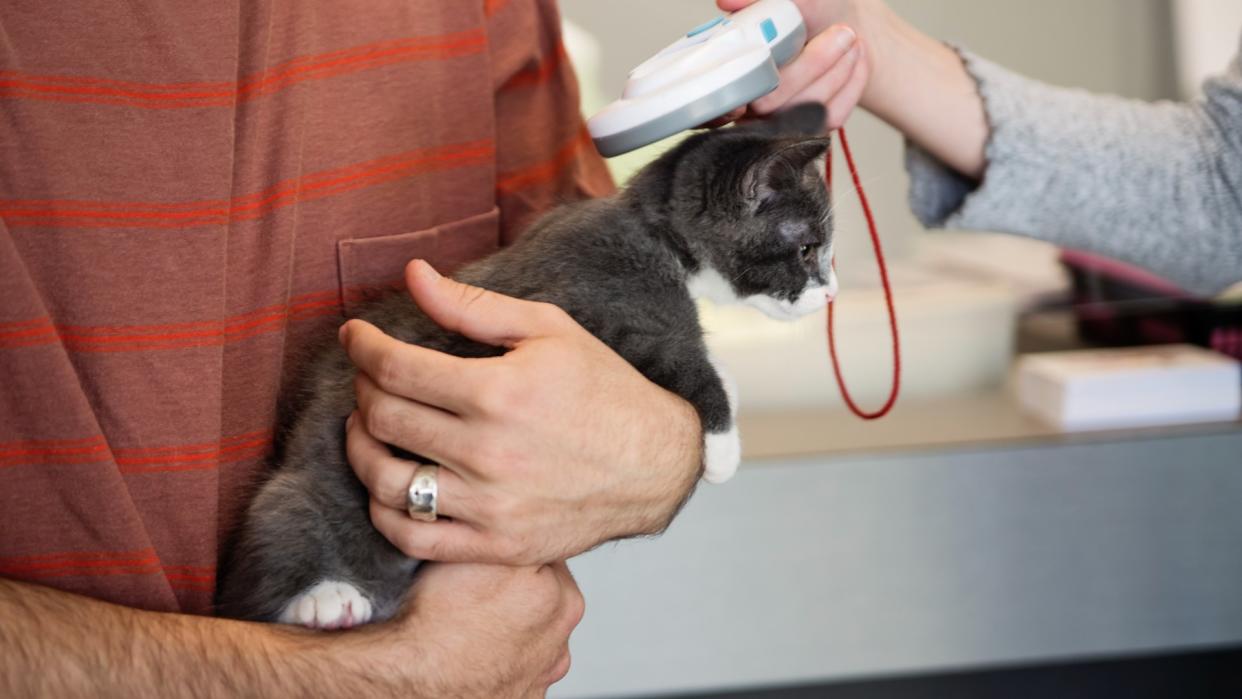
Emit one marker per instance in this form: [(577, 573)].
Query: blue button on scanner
[(768, 27), (705, 26)]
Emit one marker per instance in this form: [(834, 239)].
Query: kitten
[(738, 214)]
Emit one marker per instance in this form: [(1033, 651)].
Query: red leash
[(888, 295)]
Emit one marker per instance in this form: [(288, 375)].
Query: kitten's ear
[(784, 166), (801, 154)]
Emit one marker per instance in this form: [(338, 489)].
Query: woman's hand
[(545, 452), (910, 80), (832, 69)]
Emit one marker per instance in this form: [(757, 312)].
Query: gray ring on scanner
[(738, 93), (745, 90), (420, 497)]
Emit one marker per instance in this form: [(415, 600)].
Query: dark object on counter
[(1117, 304)]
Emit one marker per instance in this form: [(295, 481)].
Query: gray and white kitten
[(738, 214)]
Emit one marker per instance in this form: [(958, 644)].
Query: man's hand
[(832, 69), (472, 630), (545, 452)]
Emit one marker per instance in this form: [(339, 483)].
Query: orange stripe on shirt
[(195, 462), (12, 447), (185, 457), (538, 73), (91, 563), (190, 335), (546, 171), (74, 555), (88, 214), (197, 334), (19, 324), (215, 94), (54, 565)]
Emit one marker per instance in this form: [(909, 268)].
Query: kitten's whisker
[(739, 274)]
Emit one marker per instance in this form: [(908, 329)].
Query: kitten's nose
[(831, 290)]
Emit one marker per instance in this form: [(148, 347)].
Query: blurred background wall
[(897, 549), (1118, 46), (959, 295)]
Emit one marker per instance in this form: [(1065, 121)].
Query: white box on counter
[(1099, 389)]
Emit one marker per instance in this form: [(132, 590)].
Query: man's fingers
[(820, 56), (733, 5), (388, 478), (560, 668), (402, 369), (442, 540), (481, 315), (415, 427)]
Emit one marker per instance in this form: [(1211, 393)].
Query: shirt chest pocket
[(371, 266)]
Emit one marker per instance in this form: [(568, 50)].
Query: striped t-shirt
[(190, 192)]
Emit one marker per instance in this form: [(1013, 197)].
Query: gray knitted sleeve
[(1158, 185)]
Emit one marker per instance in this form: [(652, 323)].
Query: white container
[(956, 337), (1130, 387)]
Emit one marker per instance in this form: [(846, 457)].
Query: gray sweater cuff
[(940, 197), (1158, 185)]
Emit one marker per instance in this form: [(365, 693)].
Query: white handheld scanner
[(715, 68)]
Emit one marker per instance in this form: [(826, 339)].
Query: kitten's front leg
[(722, 446)]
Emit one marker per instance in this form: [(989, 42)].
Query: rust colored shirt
[(189, 193)]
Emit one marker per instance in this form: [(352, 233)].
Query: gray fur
[(745, 201)]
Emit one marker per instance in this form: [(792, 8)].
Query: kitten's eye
[(809, 253)]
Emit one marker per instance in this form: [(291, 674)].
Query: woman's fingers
[(826, 88), (820, 57), (724, 119), (846, 99)]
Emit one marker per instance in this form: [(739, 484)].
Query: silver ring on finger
[(420, 497)]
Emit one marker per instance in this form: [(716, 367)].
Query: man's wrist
[(392, 658), (682, 454)]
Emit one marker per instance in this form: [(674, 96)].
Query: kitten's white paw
[(722, 452), (329, 604)]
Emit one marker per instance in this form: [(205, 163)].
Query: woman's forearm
[(920, 87)]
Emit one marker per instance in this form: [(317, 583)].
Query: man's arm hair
[(57, 644)]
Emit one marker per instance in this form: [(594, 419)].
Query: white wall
[(838, 567), (1207, 37)]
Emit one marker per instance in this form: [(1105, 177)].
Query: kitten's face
[(766, 220)]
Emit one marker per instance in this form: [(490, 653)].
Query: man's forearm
[(920, 87), (57, 644)]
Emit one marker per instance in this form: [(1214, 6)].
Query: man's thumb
[(481, 315)]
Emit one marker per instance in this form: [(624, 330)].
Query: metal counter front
[(844, 550)]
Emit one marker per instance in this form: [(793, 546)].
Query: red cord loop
[(888, 295)]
